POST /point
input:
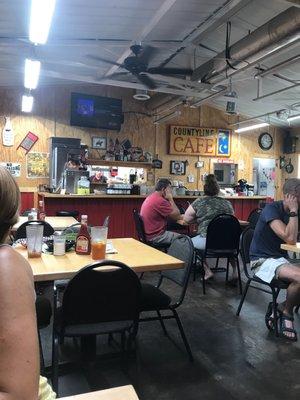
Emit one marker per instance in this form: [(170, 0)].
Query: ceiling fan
[(137, 65)]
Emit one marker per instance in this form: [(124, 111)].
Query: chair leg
[(239, 275), (243, 297), (203, 275), (42, 361), (217, 263), (186, 343), (55, 351), (162, 322), (227, 270)]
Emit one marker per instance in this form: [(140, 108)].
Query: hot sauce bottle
[(83, 239), (41, 211)]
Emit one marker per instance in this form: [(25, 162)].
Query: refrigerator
[(61, 150), (264, 176)]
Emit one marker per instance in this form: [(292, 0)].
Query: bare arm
[(175, 214), (189, 215), (19, 360), (288, 232)]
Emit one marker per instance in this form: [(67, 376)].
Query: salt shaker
[(59, 244)]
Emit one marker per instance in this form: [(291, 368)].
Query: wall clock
[(265, 141)]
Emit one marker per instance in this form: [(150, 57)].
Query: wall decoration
[(28, 141), (7, 133), (99, 143), (177, 167), (37, 165), (13, 168), (199, 141)]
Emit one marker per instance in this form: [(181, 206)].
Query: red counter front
[(119, 208)]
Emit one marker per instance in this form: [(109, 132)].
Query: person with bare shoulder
[(278, 224), (19, 349)]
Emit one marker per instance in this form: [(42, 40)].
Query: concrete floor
[(235, 358)]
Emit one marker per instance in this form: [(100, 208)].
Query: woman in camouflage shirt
[(203, 210)]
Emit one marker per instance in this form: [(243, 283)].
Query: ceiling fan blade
[(116, 75), (96, 58), (145, 80), (147, 54), (170, 71)]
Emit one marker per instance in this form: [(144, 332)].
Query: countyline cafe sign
[(189, 140)]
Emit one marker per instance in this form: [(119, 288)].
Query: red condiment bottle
[(41, 211), (83, 239)]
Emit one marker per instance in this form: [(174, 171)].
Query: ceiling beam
[(163, 9)]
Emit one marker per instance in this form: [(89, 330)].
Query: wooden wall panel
[(51, 117)]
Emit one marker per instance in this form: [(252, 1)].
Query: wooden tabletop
[(138, 256), (58, 223), (291, 247), (117, 393)]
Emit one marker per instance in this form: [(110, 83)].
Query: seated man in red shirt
[(155, 211)]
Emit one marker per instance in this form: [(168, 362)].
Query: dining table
[(117, 393), (57, 223), (139, 256), (291, 247)]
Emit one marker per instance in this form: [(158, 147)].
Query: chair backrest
[(139, 226), (223, 236), (64, 213), (21, 231), (183, 249), (253, 217), (94, 296), (246, 239)]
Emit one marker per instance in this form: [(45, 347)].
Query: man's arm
[(175, 213), (189, 215), (288, 232), (19, 361)]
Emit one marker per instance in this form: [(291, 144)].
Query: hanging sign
[(199, 141), (13, 168), (7, 133), (28, 141)]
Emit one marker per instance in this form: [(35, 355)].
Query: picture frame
[(99, 143), (177, 167)]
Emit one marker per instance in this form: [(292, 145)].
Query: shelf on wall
[(132, 164)]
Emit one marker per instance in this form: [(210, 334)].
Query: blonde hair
[(9, 202)]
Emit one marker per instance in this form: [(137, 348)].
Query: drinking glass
[(99, 236), (34, 235)]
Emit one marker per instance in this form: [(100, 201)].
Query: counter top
[(134, 196)]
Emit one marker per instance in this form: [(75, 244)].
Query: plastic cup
[(34, 235), (99, 237)]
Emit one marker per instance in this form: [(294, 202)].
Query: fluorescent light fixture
[(251, 127), (40, 20), (27, 103), (167, 117), (32, 73), (293, 118)]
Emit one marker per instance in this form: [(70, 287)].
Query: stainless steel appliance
[(61, 150)]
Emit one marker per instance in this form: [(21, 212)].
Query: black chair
[(97, 302), (274, 286), (139, 225), (253, 217), (222, 241), (64, 213), (43, 316), (154, 299), (21, 231)]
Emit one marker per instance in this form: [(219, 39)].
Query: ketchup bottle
[(83, 239), (41, 211)]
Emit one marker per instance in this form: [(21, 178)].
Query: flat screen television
[(96, 111)]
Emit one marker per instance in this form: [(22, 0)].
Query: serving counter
[(119, 208)]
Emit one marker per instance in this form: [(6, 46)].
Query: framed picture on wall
[(177, 167), (99, 143)]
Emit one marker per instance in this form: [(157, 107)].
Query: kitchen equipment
[(71, 178)]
